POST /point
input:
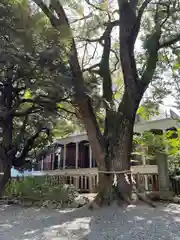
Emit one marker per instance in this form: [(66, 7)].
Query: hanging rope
[(118, 172), (125, 172)]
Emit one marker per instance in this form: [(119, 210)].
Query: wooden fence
[(88, 182), (175, 185)]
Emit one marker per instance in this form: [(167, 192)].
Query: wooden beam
[(42, 163), (77, 155), (90, 157), (64, 157)]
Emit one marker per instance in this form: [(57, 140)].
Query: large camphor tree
[(99, 38)]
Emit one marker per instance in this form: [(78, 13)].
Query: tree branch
[(94, 40), (92, 56), (47, 12), (28, 111), (137, 24), (22, 130), (37, 104), (82, 100), (117, 59), (170, 42), (21, 160), (67, 111), (142, 8), (94, 6), (81, 19), (92, 68), (104, 65), (152, 46), (128, 64)]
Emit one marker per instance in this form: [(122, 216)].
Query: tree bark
[(118, 160), (121, 161), (117, 150), (105, 191), (4, 178), (7, 127)]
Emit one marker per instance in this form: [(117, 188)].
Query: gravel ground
[(134, 222)]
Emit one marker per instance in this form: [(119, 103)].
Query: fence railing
[(175, 185), (82, 183), (86, 180)]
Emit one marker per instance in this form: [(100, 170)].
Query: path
[(137, 223)]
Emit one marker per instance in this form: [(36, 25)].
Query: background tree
[(30, 98), (112, 28)]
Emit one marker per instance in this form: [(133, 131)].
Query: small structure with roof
[(72, 156)]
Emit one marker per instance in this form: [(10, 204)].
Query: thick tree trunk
[(6, 159), (117, 160), (105, 189), (121, 161), (4, 178), (117, 152), (7, 126)]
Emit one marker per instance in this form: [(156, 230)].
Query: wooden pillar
[(90, 166), (90, 157), (64, 157), (76, 165), (146, 182), (53, 158), (59, 160), (42, 164), (138, 182), (77, 155)]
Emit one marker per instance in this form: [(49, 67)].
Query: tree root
[(96, 203), (123, 198), (120, 199), (144, 198)]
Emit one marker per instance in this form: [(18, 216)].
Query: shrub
[(39, 189)]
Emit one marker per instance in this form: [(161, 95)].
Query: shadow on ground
[(135, 222)]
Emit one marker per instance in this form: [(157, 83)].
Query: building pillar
[(64, 157), (77, 155), (90, 157), (59, 160), (138, 182), (42, 164), (146, 182), (53, 158), (90, 166), (76, 165)]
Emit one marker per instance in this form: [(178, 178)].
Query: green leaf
[(104, 5), (59, 105), (148, 109), (142, 112), (176, 66), (27, 94)]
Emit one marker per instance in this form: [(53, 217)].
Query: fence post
[(138, 182)]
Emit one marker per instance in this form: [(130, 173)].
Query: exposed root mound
[(120, 199), (144, 198), (100, 201)]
